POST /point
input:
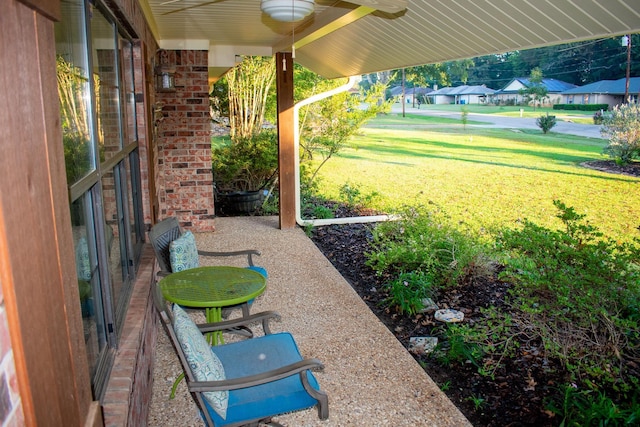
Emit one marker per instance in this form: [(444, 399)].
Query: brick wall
[(184, 178), (128, 396)]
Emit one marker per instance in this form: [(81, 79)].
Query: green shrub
[(578, 407), (354, 198), (323, 212), (546, 122), (422, 241), (622, 127), (598, 118), (407, 291), (484, 343), (581, 107), (579, 293), (245, 164)]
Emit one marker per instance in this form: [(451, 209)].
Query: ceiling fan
[(296, 10)]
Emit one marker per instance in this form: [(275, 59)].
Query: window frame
[(127, 192)]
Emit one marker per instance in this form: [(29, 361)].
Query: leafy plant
[(407, 291), (323, 212), (423, 242), (478, 402), (354, 198), (486, 343), (622, 127), (598, 118), (464, 116), (245, 164), (328, 125), (249, 84), (578, 293), (462, 345), (546, 122), (589, 408)]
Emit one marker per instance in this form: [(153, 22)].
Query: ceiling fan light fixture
[(287, 10)]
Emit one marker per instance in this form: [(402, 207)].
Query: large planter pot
[(240, 202)]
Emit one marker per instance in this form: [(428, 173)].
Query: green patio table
[(213, 288)]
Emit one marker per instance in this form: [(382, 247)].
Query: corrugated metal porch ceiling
[(428, 31)]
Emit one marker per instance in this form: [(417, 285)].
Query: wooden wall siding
[(36, 256), (184, 144)]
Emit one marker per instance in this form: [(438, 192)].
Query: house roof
[(397, 90), (608, 87), (552, 85), (464, 90), (343, 39)]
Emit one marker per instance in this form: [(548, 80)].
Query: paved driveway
[(590, 131)]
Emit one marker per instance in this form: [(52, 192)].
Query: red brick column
[(184, 178)]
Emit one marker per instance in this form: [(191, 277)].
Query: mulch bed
[(517, 394)]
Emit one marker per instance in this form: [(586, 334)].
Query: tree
[(492, 70), (248, 90), (536, 91), (622, 127), (546, 122), (458, 71), (327, 126), (429, 74), (249, 160)]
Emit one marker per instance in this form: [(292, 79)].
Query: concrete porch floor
[(369, 376)]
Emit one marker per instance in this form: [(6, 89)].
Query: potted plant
[(243, 168)]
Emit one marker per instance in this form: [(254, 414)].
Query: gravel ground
[(369, 376)]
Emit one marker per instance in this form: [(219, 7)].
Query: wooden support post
[(286, 152)]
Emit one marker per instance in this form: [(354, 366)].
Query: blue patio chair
[(243, 383), (175, 250)]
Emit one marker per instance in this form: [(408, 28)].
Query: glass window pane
[(129, 100), (88, 279), (113, 230), (134, 204), (105, 71), (74, 91)]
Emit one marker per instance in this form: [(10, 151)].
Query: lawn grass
[(485, 178), (583, 117), (413, 120)]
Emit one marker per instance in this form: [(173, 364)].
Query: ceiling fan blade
[(389, 6)]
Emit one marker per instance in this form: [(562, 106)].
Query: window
[(96, 73)]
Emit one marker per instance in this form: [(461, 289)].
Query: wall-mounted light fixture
[(165, 73), (287, 10)]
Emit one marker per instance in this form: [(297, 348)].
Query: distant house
[(461, 95), (603, 92), (409, 93), (512, 92)]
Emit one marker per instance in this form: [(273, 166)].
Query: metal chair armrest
[(248, 252), (263, 317), (254, 380)]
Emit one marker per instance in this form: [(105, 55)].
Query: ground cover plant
[(551, 333)]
